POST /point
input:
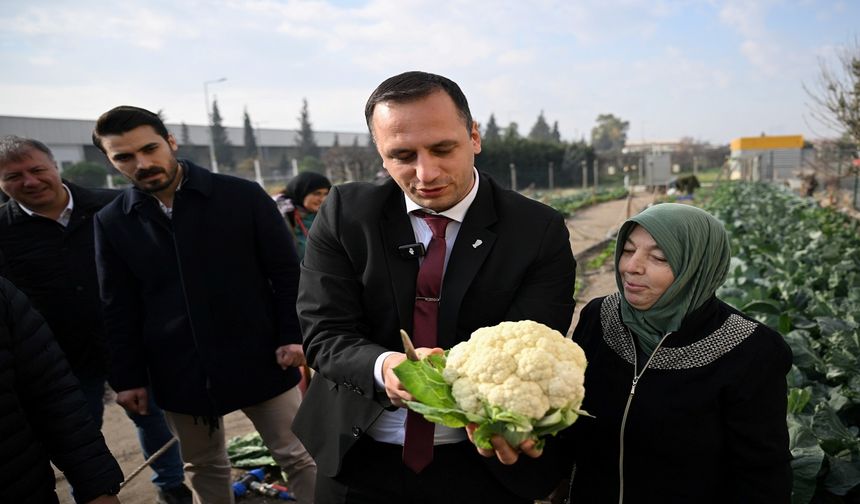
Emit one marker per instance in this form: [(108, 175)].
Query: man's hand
[(290, 356), (105, 499), (506, 453), (134, 400), (393, 388)]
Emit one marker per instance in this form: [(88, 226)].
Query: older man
[(47, 250)]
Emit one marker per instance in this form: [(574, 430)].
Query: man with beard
[(47, 251), (198, 277)]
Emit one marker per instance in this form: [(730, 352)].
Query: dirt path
[(589, 229), (121, 438)]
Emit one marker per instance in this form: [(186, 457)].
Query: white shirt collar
[(457, 212), (65, 215)]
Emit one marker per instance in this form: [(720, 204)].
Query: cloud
[(143, 27), (759, 46)]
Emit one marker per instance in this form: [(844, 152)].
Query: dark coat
[(43, 414), (55, 266), (707, 422), (196, 305), (511, 261)]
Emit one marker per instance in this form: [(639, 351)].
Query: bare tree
[(836, 94)]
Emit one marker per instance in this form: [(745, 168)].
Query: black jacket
[(511, 261), (56, 267), (43, 414), (196, 305), (707, 423)]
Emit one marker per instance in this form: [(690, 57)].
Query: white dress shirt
[(65, 215), (390, 427)]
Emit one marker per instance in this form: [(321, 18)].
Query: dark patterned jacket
[(43, 414), (707, 421)]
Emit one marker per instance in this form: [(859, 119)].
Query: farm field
[(795, 266)]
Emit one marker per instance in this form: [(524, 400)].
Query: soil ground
[(590, 229)]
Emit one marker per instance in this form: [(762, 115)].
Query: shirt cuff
[(377, 370)]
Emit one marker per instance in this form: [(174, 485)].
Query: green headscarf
[(697, 248)]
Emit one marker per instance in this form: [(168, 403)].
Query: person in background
[(300, 201), (47, 250), (198, 278), (688, 395), (44, 417)]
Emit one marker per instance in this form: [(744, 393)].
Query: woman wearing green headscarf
[(688, 395)]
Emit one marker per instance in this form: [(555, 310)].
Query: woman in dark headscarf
[(688, 394), (300, 202)]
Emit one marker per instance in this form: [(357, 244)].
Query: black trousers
[(373, 473)]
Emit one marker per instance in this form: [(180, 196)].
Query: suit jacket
[(56, 267), (196, 305), (511, 261)]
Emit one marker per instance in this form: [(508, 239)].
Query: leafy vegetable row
[(796, 267)]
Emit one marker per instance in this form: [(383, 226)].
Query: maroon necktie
[(418, 443)]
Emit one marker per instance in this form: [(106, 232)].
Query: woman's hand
[(503, 451)]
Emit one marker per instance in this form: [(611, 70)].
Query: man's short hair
[(14, 149), (411, 86), (123, 119)]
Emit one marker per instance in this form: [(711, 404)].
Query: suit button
[(79, 288), (356, 431)]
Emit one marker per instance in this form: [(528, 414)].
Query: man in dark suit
[(505, 258), (198, 277), (47, 250)]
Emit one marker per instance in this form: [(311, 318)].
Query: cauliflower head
[(523, 367)]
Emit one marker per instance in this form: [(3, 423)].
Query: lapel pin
[(477, 244)]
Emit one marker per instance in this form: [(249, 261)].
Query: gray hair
[(14, 149)]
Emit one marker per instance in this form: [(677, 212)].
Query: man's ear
[(475, 136), (171, 141)]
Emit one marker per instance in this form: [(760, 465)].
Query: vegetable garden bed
[(796, 267)]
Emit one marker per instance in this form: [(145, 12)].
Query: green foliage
[(541, 132), (796, 267), (249, 452), (86, 174), (491, 132), (600, 259), (314, 164), (250, 137), (185, 135), (223, 148), (568, 205), (531, 159), (610, 133), (434, 400), (305, 138)]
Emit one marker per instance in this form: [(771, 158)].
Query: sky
[(708, 69)]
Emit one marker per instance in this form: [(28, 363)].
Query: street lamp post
[(212, 159)]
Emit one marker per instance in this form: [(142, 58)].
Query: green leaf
[(423, 379), (766, 306), (798, 399), (844, 475), (807, 459)]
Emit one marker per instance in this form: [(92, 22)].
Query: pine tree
[(556, 135), (223, 149), (511, 133), (250, 139), (185, 135), (491, 134), (305, 138), (540, 131)]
